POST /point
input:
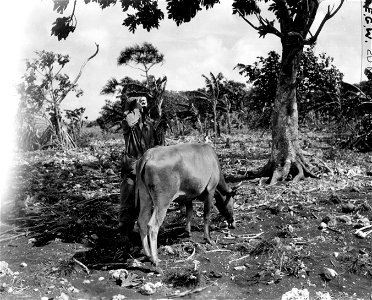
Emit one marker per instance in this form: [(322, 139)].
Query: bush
[(95, 133)]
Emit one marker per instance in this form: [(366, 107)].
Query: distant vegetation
[(221, 106)]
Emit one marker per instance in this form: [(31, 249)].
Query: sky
[(214, 41)]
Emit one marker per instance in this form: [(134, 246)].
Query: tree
[(295, 18), (317, 90), (143, 58), (44, 87), (75, 122), (263, 75), (213, 94), (233, 102)]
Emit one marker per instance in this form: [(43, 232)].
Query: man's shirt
[(138, 135)]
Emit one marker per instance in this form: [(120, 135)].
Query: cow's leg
[(189, 211), (143, 221), (156, 220), (207, 198)]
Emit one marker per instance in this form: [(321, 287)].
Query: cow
[(180, 172)]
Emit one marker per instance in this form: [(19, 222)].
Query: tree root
[(297, 169)]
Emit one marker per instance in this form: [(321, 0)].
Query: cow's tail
[(140, 178)]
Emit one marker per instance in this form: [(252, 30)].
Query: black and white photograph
[(186, 149)]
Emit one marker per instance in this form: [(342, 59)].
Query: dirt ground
[(59, 237)]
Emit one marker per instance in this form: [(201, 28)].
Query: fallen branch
[(13, 237), (363, 234), (218, 250), (82, 265), (189, 292), (312, 190), (240, 258), (325, 165), (9, 230), (243, 236), (250, 236)]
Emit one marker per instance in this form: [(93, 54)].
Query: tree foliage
[(295, 17), (146, 55), (42, 90), (317, 90)]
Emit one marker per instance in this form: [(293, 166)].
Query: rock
[(63, 296), (119, 274), (344, 219), (322, 296), (296, 294), (118, 297), (73, 289), (4, 269), (23, 265), (330, 220), (347, 208), (168, 250), (329, 273), (148, 288), (239, 268), (323, 225), (31, 241), (94, 236)]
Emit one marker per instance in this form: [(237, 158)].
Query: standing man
[(139, 135)]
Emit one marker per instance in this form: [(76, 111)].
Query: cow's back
[(180, 170)]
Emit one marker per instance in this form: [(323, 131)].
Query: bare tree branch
[(78, 76), (245, 19), (136, 68), (330, 13), (267, 26)]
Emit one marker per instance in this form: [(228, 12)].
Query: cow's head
[(225, 205)]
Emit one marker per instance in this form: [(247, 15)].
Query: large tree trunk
[(57, 124), (286, 160)]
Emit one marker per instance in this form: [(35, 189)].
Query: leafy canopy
[(43, 83), (318, 83), (294, 17), (145, 54)]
